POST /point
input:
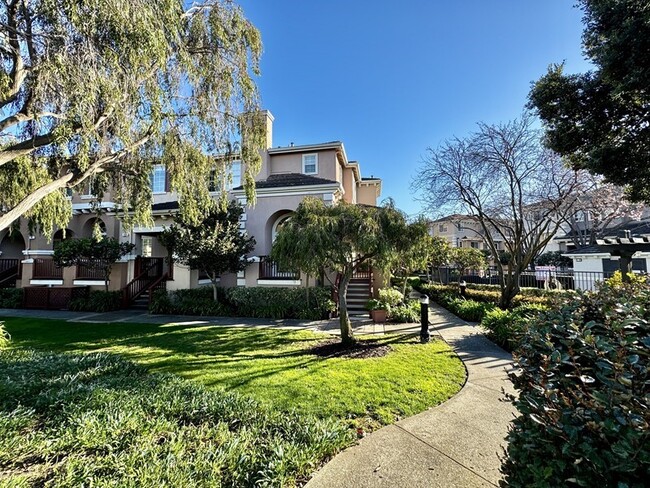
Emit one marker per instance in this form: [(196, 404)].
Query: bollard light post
[(424, 319), (463, 286)]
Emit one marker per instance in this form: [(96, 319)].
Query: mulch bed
[(334, 348)]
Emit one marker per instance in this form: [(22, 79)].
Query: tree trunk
[(347, 337), (213, 279), (509, 289), (107, 275), (404, 288)]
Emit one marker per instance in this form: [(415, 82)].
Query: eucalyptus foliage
[(215, 245), (342, 238), (101, 91)]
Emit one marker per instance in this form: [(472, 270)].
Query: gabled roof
[(290, 180)]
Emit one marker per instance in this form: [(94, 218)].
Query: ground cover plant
[(98, 420), (583, 393), (11, 297), (277, 367)]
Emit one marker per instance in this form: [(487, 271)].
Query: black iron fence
[(270, 270), (558, 279)]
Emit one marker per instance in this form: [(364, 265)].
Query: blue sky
[(391, 79)]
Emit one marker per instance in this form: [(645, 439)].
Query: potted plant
[(378, 310)]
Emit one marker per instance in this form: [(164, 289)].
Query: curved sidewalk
[(456, 444)]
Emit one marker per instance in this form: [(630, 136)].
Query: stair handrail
[(130, 292)]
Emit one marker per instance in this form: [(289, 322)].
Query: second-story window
[(442, 228), (157, 179), (310, 164), (232, 181)]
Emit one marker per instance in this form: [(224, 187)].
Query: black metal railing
[(565, 279), (269, 270)]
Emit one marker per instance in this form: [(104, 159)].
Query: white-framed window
[(277, 225), (147, 246), (310, 164), (232, 179), (157, 179), (235, 173), (442, 228)]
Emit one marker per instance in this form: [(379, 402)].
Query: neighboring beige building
[(463, 231), (287, 176)]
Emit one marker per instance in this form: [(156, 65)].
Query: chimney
[(268, 121)]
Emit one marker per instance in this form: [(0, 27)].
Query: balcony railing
[(269, 270), (90, 270), (45, 269)]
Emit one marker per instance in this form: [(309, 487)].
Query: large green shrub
[(583, 394), (97, 301), (407, 313), (195, 301), (11, 297), (262, 302), (99, 420), (282, 303), (506, 327)]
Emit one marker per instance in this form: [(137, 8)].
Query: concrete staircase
[(358, 295)]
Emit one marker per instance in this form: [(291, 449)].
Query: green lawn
[(271, 365)]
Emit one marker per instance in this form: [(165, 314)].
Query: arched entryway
[(12, 246)]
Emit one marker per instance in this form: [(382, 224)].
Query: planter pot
[(378, 316)]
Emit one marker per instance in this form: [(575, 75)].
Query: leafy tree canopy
[(103, 90), (600, 120), (91, 253), (215, 245), (342, 238)]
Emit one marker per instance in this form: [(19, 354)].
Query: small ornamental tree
[(466, 258), (342, 238), (215, 245), (415, 253), (99, 254), (554, 258), (439, 253)]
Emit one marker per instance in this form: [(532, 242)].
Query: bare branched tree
[(519, 191)]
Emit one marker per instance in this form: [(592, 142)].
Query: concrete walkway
[(456, 444)]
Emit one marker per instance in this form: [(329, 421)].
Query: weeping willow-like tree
[(101, 90), (340, 238)]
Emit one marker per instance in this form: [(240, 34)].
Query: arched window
[(278, 225)]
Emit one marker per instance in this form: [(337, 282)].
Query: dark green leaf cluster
[(262, 302), (600, 120), (97, 301), (554, 258), (583, 394), (99, 420), (90, 253), (11, 297), (214, 245)]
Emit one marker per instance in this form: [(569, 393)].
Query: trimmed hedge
[(262, 302), (97, 301), (583, 396), (507, 327), (11, 297)]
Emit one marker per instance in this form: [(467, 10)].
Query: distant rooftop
[(290, 179)]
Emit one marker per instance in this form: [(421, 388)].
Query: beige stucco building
[(287, 176)]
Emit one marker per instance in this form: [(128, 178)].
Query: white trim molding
[(207, 281), (38, 252), (46, 282), (90, 282), (280, 282)]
